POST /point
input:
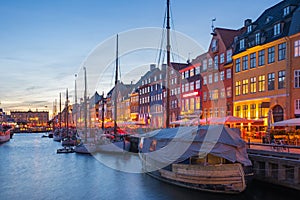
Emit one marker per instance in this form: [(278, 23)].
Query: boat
[(5, 133), (57, 134), (208, 158), (65, 150)]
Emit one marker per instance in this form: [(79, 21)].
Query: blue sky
[(43, 43)]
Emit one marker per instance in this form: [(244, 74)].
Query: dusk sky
[(44, 43)]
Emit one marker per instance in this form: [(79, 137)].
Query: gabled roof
[(227, 35)]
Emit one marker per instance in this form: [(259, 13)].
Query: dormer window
[(214, 45), (286, 10), (269, 18), (242, 44), (249, 28), (257, 38), (277, 29)]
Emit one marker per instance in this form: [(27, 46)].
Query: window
[(271, 54), (209, 62), (216, 62), (182, 75), (277, 29), (204, 96), (261, 57), (252, 60), (297, 78), (198, 84), (257, 38), (245, 62), (249, 28), (253, 85), (271, 81), (216, 77), (238, 88), (222, 93), (192, 86), (205, 80), (245, 86), (215, 94), (297, 48), (186, 74), (281, 51), (242, 44), (192, 72), (252, 111), (197, 70), (237, 65), (186, 87), (229, 55), (297, 106), (238, 111), (261, 83), (228, 92), (222, 58), (286, 10), (222, 76), (245, 111), (210, 79), (204, 65), (228, 73), (197, 103), (281, 79)]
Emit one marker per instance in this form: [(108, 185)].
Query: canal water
[(31, 169)]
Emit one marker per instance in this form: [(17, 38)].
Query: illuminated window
[(261, 57), (222, 93), (228, 92), (245, 62), (245, 86), (253, 85), (238, 88), (297, 48), (245, 111), (271, 54), (192, 104), (216, 112), (192, 72), (252, 60), (281, 51), (261, 83), (253, 111), (238, 111), (281, 79), (197, 103), (271, 81), (215, 94), (237, 65)]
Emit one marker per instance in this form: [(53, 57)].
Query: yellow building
[(262, 65)]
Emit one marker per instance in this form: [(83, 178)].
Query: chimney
[(152, 67), (247, 22)]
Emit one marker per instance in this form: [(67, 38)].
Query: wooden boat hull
[(4, 136), (226, 178)]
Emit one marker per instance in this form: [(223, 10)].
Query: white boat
[(209, 158), (5, 134)]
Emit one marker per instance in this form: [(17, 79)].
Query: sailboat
[(85, 146), (57, 132), (207, 158), (119, 143)]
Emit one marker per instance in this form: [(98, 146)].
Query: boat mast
[(60, 110), (67, 112), (168, 67), (116, 83), (76, 108), (85, 104)]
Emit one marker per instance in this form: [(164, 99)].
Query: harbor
[(30, 163)]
